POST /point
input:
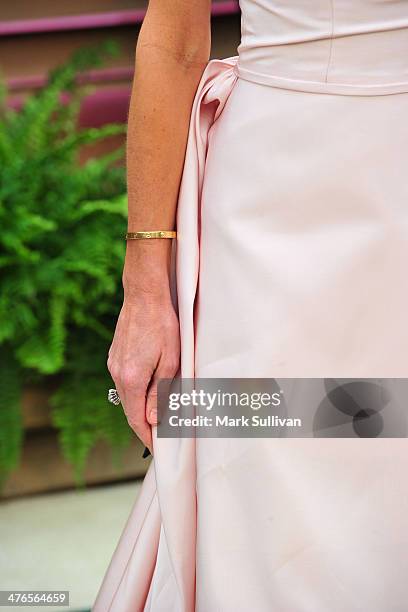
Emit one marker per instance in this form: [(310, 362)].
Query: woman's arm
[(172, 51)]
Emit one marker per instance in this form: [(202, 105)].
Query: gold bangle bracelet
[(152, 234)]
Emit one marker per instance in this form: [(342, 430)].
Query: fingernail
[(146, 453)]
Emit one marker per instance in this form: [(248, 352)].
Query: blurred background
[(70, 469)]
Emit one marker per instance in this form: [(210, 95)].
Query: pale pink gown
[(292, 261)]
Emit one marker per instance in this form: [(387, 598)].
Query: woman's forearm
[(172, 51)]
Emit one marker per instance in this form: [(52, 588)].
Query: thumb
[(151, 402), (163, 371)]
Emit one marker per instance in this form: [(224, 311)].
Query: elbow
[(186, 47), (194, 53), (186, 54)]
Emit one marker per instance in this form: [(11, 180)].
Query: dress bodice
[(336, 44)]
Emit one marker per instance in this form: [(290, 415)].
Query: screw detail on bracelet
[(150, 234)]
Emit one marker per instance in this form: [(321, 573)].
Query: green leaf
[(83, 417)]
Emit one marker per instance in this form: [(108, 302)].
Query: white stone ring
[(113, 397)]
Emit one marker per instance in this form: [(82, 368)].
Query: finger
[(166, 368), (151, 402), (136, 416), (133, 403)]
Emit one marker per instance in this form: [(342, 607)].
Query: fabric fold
[(166, 507)]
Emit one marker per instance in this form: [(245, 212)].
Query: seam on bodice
[(329, 46)]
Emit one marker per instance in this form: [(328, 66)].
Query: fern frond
[(61, 258)]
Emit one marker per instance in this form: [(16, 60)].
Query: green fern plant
[(61, 254)]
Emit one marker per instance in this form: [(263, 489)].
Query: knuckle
[(109, 356), (175, 364), (169, 368), (166, 373), (152, 392), (113, 371), (131, 380)]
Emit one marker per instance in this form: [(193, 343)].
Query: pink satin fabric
[(291, 261), (167, 504), (331, 46)]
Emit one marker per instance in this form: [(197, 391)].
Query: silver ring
[(113, 397)]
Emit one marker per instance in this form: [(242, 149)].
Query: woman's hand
[(172, 51), (145, 348)]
